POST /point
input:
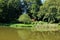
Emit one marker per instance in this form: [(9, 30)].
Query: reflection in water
[(23, 34), (36, 35)]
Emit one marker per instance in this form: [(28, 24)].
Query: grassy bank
[(35, 26)]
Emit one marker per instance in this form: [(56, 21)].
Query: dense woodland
[(27, 11)]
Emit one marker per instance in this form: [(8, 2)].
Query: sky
[(24, 11), (42, 1)]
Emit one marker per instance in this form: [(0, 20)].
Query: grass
[(21, 25), (43, 26), (34, 26)]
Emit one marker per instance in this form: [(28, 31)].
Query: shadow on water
[(8, 34), (23, 34)]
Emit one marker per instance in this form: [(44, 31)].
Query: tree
[(49, 11), (24, 18), (33, 7), (9, 10), (33, 10)]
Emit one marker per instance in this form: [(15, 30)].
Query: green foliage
[(33, 10), (34, 7), (13, 3), (49, 11), (9, 10), (24, 18)]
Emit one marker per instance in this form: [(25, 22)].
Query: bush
[(24, 18)]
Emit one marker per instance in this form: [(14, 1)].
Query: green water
[(23, 34), (36, 35)]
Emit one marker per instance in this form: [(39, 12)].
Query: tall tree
[(49, 11), (33, 7), (9, 10)]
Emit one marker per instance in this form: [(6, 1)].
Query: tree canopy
[(49, 11), (11, 10)]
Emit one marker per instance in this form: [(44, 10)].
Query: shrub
[(24, 18)]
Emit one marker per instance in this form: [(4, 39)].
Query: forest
[(29, 12)]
